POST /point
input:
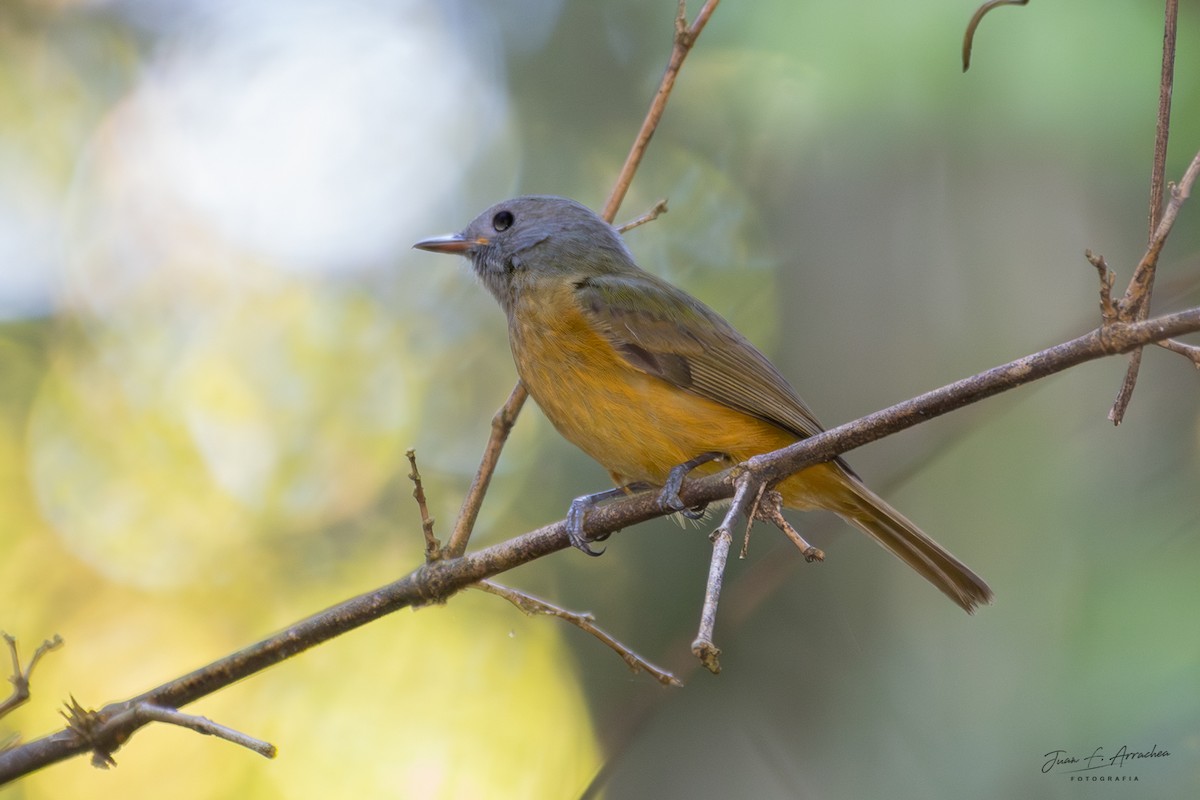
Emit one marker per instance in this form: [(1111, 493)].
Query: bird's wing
[(669, 334)]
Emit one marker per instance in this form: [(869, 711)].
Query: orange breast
[(637, 426)]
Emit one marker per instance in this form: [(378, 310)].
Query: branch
[(437, 581), (1114, 339)]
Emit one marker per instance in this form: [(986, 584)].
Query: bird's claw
[(669, 497), (576, 515)]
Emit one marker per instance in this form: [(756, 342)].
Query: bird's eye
[(502, 221)]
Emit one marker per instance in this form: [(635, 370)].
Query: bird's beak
[(453, 243)]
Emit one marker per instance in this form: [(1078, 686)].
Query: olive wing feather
[(666, 333)]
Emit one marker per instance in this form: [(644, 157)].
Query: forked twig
[(1109, 312), (1135, 304), (759, 504), (1137, 296), (20, 677)]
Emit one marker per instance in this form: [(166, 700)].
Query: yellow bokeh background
[(216, 346)]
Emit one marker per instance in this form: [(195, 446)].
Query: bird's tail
[(844, 494)]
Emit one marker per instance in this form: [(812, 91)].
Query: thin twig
[(20, 678), (1108, 309), (1116, 414), (148, 712), (1135, 294), (685, 38), (656, 211), (976, 18), (102, 733), (772, 511), (586, 622), (535, 605), (751, 515), (703, 647), (1141, 285), (433, 548), (1158, 174), (1188, 351), (502, 425)]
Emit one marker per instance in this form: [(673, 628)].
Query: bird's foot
[(669, 497), (577, 516)]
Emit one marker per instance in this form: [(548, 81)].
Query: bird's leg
[(771, 510), (669, 497), (577, 513)]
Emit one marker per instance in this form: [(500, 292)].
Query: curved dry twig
[(976, 18)]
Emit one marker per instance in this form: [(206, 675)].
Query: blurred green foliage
[(215, 347)]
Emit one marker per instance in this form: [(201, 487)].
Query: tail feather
[(869, 512), (833, 487)]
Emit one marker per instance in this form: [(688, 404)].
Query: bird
[(651, 383)]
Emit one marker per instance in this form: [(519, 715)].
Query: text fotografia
[(1087, 767)]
